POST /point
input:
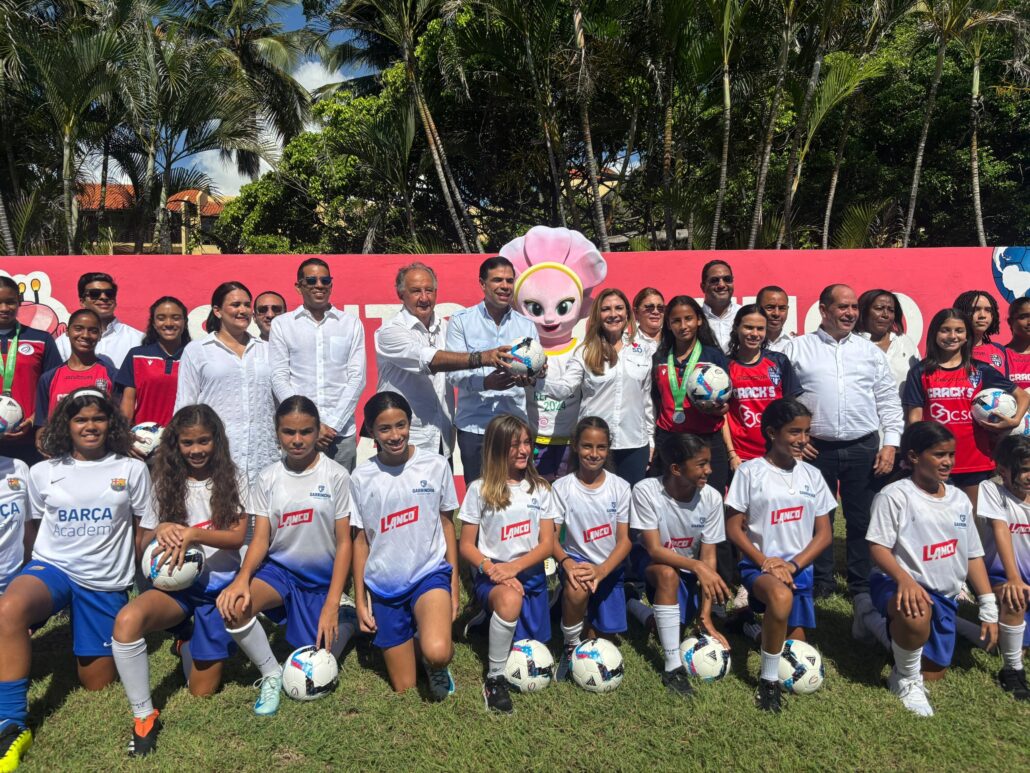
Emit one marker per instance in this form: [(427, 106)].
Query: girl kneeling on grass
[(594, 506), (924, 543), (680, 521), (196, 502), (508, 531), (297, 563), (776, 515), (405, 551)]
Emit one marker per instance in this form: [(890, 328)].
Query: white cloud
[(227, 180), (312, 74)]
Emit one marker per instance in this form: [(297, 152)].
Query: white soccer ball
[(705, 657), (1023, 428), (168, 577), (148, 435), (528, 357), (310, 673), (597, 666), (11, 414), (530, 666), (990, 405), (709, 385), (801, 667)]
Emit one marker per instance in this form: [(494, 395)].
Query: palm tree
[(584, 91)]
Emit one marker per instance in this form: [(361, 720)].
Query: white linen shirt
[(405, 349), (781, 343), (848, 386), (722, 326), (114, 343), (323, 360), (239, 389)]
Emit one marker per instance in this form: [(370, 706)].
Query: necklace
[(788, 477)]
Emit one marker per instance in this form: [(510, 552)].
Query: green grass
[(853, 723)]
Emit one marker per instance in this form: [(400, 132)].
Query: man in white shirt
[(267, 306), (719, 307), (98, 292), (411, 360), (319, 351), (777, 305), (847, 383)]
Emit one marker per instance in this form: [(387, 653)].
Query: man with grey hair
[(411, 360)]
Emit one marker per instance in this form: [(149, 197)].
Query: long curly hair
[(170, 471), (56, 439)]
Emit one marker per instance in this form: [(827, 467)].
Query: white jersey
[(682, 526), (220, 565), (995, 502), (302, 509), (591, 516), (780, 506), (556, 419), (14, 512), (399, 509), (932, 539), (510, 533), (86, 511)]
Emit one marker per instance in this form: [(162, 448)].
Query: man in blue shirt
[(483, 392)]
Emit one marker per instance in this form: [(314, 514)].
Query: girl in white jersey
[(87, 497), (196, 502), (405, 549), (776, 515), (508, 516), (680, 523), (594, 508), (296, 566), (924, 544), (17, 528)]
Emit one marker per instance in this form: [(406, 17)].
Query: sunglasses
[(652, 307), (312, 281), (266, 309), (714, 280), (96, 295)]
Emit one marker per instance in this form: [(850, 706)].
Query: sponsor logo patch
[(14, 484), (1019, 528), (939, 550), (680, 543), (398, 519), (118, 484), (513, 530), (786, 515), (296, 518), (597, 532)]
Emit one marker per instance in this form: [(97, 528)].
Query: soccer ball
[(310, 673), (1023, 428), (11, 414), (530, 666), (597, 666), (709, 385), (528, 357), (801, 667), (148, 435), (990, 405), (705, 657), (169, 578)]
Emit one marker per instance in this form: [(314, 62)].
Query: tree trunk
[(835, 176), (102, 204), (5, 228), (670, 222), (724, 162), (795, 151), (551, 160), (974, 160), (68, 178), (595, 185), (617, 192), (921, 148)]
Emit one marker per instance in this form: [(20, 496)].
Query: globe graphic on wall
[(1011, 269)]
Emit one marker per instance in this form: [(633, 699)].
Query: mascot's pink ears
[(542, 244)]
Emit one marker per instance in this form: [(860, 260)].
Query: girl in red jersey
[(942, 386), (758, 377), (1017, 353), (982, 310)]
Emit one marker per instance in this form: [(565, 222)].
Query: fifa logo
[(398, 519), (786, 515), (940, 550), (513, 530)]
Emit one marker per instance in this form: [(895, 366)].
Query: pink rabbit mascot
[(555, 271)]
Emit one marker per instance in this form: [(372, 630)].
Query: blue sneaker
[(441, 683), (268, 700), (565, 664)]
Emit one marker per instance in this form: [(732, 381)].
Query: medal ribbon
[(679, 388), (8, 362)]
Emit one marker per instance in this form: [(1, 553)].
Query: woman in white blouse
[(613, 370), (881, 320), (228, 369)]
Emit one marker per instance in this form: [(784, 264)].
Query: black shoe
[(496, 696), (1014, 681), (144, 735), (678, 683), (735, 623), (767, 696)]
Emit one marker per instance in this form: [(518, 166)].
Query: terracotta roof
[(118, 196), (210, 206)]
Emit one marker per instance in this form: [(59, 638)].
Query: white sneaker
[(347, 601), (966, 595), (740, 600), (912, 693)]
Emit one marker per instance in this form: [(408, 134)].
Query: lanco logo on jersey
[(597, 532), (940, 550), (1020, 528), (513, 530), (786, 515), (398, 519), (296, 518), (679, 543)]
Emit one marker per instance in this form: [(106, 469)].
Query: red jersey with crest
[(754, 387), (37, 353), (994, 355), (946, 396), (695, 421), (60, 382), (1018, 367)]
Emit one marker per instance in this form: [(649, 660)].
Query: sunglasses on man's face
[(267, 309), (96, 295), (312, 281), (652, 307), (714, 280)]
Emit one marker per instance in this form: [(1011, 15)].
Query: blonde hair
[(597, 350), (500, 433)]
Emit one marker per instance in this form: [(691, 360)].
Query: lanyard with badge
[(679, 388), (10, 360)]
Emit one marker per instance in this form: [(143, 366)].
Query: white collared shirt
[(405, 349), (239, 389), (902, 356), (848, 386), (722, 325), (781, 343), (323, 360), (114, 343)]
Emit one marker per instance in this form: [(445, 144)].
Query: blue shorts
[(535, 618), (395, 617), (92, 611), (606, 609), (941, 645), (302, 606), (210, 641), (802, 611), (689, 593)]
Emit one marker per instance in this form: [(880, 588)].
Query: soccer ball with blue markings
[(310, 673), (528, 357), (1023, 428), (705, 657), (801, 667), (530, 666), (168, 577), (11, 414), (991, 405), (597, 666), (709, 386)]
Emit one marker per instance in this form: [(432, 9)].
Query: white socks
[(770, 666), (252, 640), (498, 648), (134, 670), (1010, 644), (907, 662), (572, 633), (667, 617)]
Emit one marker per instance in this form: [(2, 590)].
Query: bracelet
[(475, 360), (485, 559), (988, 608), (567, 558), (797, 569)]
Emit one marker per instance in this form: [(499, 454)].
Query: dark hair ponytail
[(678, 447), (384, 401), (589, 422), (297, 404), (213, 323), (779, 413), (922, 435)]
